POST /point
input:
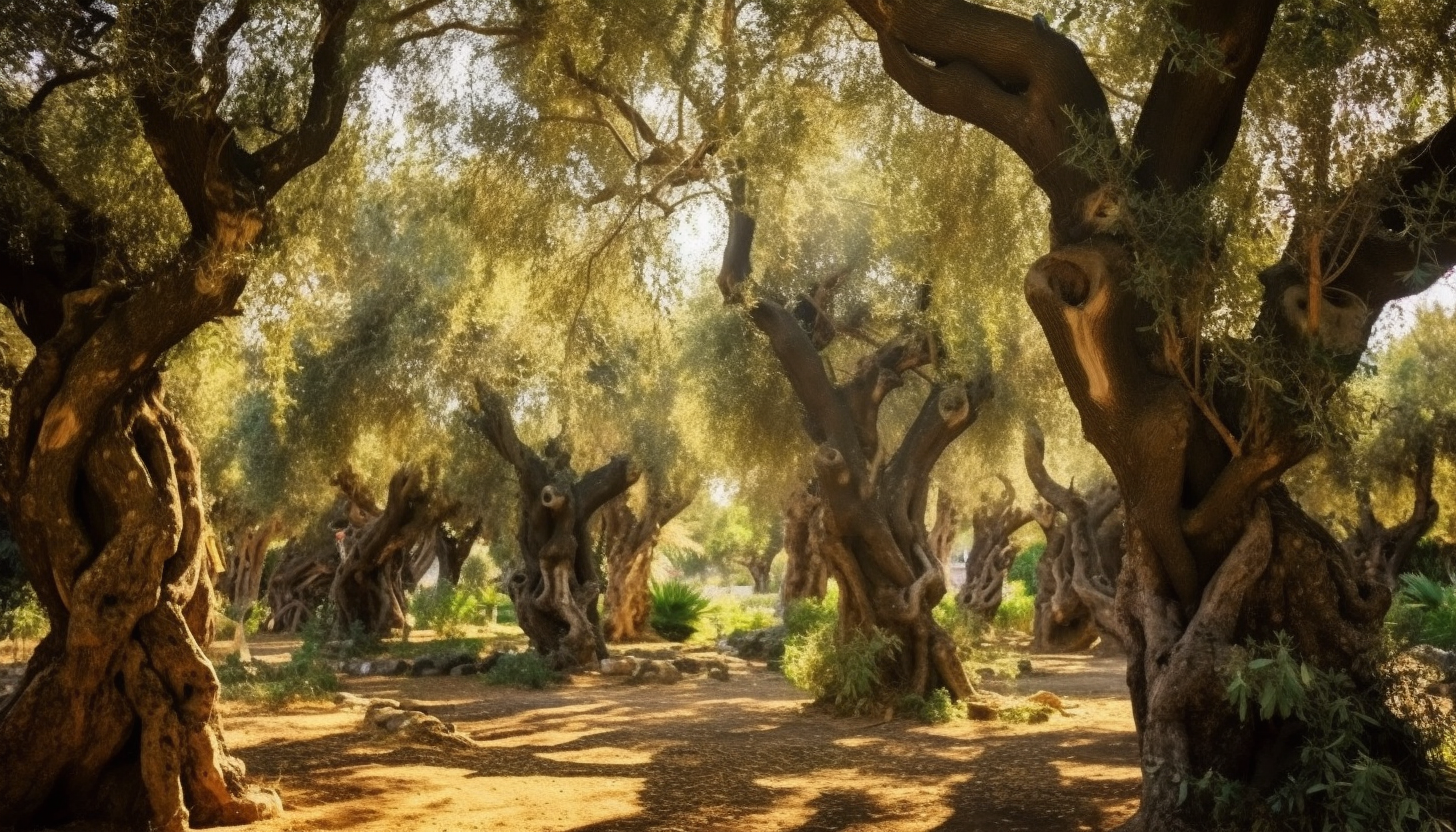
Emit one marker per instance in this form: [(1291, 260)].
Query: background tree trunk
[(870, 523), (368, 589), (806, 575), (1076, 580), (1386, 549), (243, 578), (555, 590), (629, 539), (944, 530), (992, 553)]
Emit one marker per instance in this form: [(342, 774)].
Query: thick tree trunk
[(806, 575), (368, 589), (944, 530), (760, 569), (443, 548), (992, 553), (116, 715), (869, 525), (1076, 579), (630, 537), (556, 588)]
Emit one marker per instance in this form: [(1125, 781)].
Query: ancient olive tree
[(1078, 570), (143, 156), (806, 574), (556, 586), (628, 536), (993, 522), (1200, 387)]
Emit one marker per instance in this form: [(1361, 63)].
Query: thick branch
[(595, 488)]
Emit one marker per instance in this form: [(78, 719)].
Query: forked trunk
[(869, 522), (992, 553), (244, 577), (760, 569), (556, 588), (301, 581)]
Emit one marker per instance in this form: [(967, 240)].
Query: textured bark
[(629, 538), (806, 575), (444, 547), (992, 552), (556, 587), (1077, 574), (368, 588), (1217, 553), (944, 530), (869, 524), (305, 572)]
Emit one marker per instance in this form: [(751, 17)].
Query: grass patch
[(1023, 569), (727, 614), (1018, 607), (1423, 612), (848, 677), (306, 674), (415, 649), (937, 708)]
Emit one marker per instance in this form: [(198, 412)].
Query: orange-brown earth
[(600, 754)]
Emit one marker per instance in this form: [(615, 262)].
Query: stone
[(657, 672), (626, 666), (380, 716), (719, 673), (1048, 699), (985, 673), (688, 665), (422, 665), (466, 669), (413, 705), (485, 664), (761, 645), (1023, 667)]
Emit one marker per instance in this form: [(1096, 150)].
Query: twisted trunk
[(301, 581), (556, 588), (630, 537), (443, 548), (806, 575), (944, 530), (368, 588), (869, 523), (1385, 549), (1076, 578), (992, 553)]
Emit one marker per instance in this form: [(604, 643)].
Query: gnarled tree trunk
[(944, 530), (444, 547), (629, 537), (301, 581), (992, 552), (555, 590), (760, 564), (806, 575), (368, 589), (1217, 552), (1076, 579), (869, 526)]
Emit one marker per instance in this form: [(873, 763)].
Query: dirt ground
[(601, 755)]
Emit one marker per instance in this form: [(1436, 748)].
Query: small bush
[(442, 608), (969, 634), (524, 670), (936, 709), (475, 572), (676, 608), (847, 676), (1023, 569), (728, 615), (1359, 767), (806, 615), (23, 619), (304, 676), (1018, 607), (1424, 612)]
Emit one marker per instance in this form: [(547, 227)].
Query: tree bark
[(368, 589), (806, 575), (1217, 553), (440, 546), (869, 526), (556, 587), (1076, 579), (630, 537), (243, 578), (944, 530), (992, 553), (305, 572)]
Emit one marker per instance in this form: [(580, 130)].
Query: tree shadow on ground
[(738, 756)]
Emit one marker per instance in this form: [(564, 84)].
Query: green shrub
[(524, 670), (22, 617), (1424, 612), (806, 615), (847, 676), (306, 675), (475, 572), (1359, 766), (968, 632), (935, 709), (442, 608), (1023, 569), (1018, 607), (728, 615), (676, 608)]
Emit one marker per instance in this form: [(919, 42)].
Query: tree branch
[(493, 418), (482, 29), (614, 96), (1191, 119), (597, 487)]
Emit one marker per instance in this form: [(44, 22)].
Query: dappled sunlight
[(602, 755), (902, 802)]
